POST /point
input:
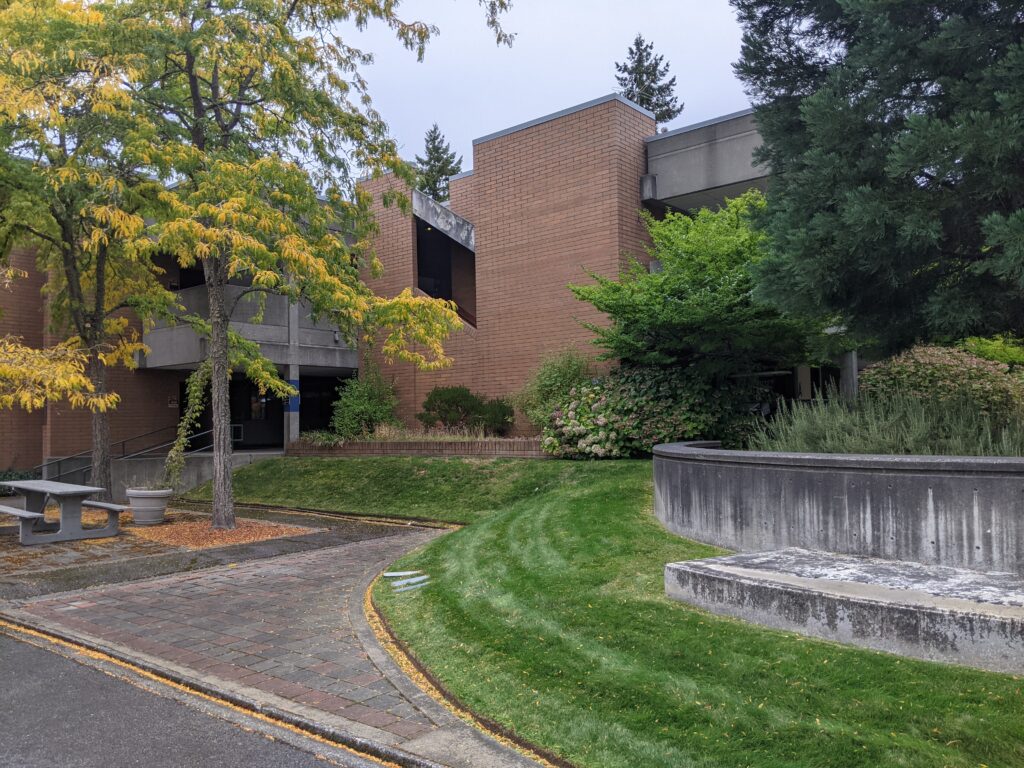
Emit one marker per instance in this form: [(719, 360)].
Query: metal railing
[(84, 470), (118, 450)]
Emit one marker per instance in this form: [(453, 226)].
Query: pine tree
[(439, 165), (642, 80), (894, 134)]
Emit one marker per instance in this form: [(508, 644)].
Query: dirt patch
[(191, 533)]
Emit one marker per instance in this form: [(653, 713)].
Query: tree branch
[(245, 292)]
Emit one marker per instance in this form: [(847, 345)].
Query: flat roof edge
[(563, 113), (462, 175), (701, 124)]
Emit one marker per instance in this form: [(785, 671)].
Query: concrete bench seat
[(27, 521), (21, 513), (105, 505)]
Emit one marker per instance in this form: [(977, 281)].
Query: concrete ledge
[(963, 512), (876, 604)]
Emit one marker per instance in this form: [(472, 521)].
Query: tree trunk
[(100, 473), (223, 496)]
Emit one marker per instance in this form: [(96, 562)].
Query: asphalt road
[(58, 712)]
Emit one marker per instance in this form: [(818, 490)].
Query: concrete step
[(922, 611)]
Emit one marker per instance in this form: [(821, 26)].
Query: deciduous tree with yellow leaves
[(257, 122), (70, 185), (30, 378), (227, 135)]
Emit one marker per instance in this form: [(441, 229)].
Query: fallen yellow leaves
[(197, 534)]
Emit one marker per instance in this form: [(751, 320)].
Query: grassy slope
[(453, 491), (550, 616)]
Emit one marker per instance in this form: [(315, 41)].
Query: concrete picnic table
[(70, 499)]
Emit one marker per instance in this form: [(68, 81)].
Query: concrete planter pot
[(148, 506)]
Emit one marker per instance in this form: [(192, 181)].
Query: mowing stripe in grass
[(549, 616), (427, 683)]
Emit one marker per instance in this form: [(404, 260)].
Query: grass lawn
[(549, 616), (447, 490)]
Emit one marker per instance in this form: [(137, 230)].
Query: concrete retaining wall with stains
[(964, 512)]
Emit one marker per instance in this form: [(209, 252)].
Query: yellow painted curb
[(415, 671)]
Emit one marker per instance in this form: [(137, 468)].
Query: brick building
[(547, 202)]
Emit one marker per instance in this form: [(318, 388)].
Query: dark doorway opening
[(316, 401), (259, 417)]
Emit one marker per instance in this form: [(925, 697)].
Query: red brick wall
[(143, 408), (59, 430), (550, 203), (490, 448), (462, 196), (22, 314)]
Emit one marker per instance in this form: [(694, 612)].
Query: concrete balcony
[(287, 336), (701, 165)]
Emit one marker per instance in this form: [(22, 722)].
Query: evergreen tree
[(642, 80), (439, 165), (895, 138)]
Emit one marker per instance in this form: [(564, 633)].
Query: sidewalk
[(284, 634)]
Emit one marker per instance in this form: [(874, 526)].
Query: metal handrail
[(82, 454), (46, 464), (236, 429), (192, 437)]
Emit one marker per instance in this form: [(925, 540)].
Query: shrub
[(699, 309), (550, 385), (15, 474), (497, 416), (456, 408), (1001, 349), (322, 439), (631, 410), (363, 404), (891, 423), (945, 374), (451, 407)]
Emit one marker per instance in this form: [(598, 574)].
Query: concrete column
[(848, 376), (291, 407), (804, 388)]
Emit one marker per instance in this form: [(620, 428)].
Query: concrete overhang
[(179, 348), (309, 344), (444, 220), (702, 164)]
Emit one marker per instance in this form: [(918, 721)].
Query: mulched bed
[(195, 533)]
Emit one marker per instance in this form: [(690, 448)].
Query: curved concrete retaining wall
[(957, 511)]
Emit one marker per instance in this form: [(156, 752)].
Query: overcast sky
[(564, 54)]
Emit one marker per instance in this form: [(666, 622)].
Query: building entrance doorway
[(260, 417)]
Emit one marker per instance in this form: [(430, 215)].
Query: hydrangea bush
[(631, 410)]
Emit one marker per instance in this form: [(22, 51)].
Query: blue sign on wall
[(292, 406)]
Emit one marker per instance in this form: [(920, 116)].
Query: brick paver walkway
[(286, 631)]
